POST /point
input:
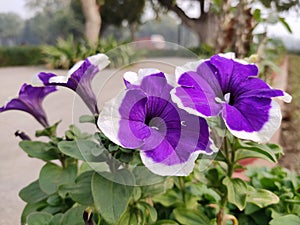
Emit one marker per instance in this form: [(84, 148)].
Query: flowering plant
[(164, 151)]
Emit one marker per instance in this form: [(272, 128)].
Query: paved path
[(16, 169)]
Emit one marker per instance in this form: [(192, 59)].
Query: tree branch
[(171, 5)]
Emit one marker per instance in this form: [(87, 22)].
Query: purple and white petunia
[(30, 100), (230, 88), (79, 79), (144, 117)]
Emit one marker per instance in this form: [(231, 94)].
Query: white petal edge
[(100, 60), (286, 97), (183, 169), (136, 78), (190, 66), (109, 118), (58, 79), (180, 105), (130, 77), (231, 55), (74, 68), (267, 131)]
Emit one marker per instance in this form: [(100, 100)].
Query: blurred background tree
[(123, 12), (11, 27), (228, 24), (224, 25)]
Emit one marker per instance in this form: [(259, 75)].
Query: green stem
[(229, 150), (182, 188)]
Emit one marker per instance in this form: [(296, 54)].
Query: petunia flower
[(79, 79), (30, 100), (144, 117), (230, 88)]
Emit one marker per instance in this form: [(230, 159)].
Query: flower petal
[(181, 169), (254, 119), (196, 95), (122, 119), (30, 100), (79, 79), (229, 72)]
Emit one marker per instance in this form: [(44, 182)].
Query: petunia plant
[(156, 157)]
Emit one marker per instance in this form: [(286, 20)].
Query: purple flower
[(30, 100), (230, 88), (79, 79), (144, 117)]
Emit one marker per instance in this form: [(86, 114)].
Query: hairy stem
[(229, 150)]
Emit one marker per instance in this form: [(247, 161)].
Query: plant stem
[(229, 150), (182, 188)]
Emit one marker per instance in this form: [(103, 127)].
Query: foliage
[(11, 26), (20, 55), (116, 12), (62, 23), (62, 193), (67, 52), (87, 176)]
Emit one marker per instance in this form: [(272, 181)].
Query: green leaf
[(74, 133), (54, 200), (52, 176), (261, 197), (80, 191), (213, 177), (142, 172), (166, 222), (111, 199), (269, 152), (83, 150), (150, 210), (285, 24), (201, 190), (245, 220), (128, 218), (74, 216), (39, 218), (171, 197), (257, 15), (287, 219), (87, 119), (49, 131), (31, 207), (40, 150), (57, 219), (190, 217), (32, 193), (237, 191)]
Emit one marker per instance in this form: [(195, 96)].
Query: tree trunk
[(205, 26), (235, 29), (92, 20), (132, 28)]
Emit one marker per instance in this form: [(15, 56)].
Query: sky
[(18, 6)]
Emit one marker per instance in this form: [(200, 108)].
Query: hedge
[(20, 56)]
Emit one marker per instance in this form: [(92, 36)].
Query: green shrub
[(67, 52), (20, 56)]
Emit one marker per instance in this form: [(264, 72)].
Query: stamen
[(227, 97), (219, 100)]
